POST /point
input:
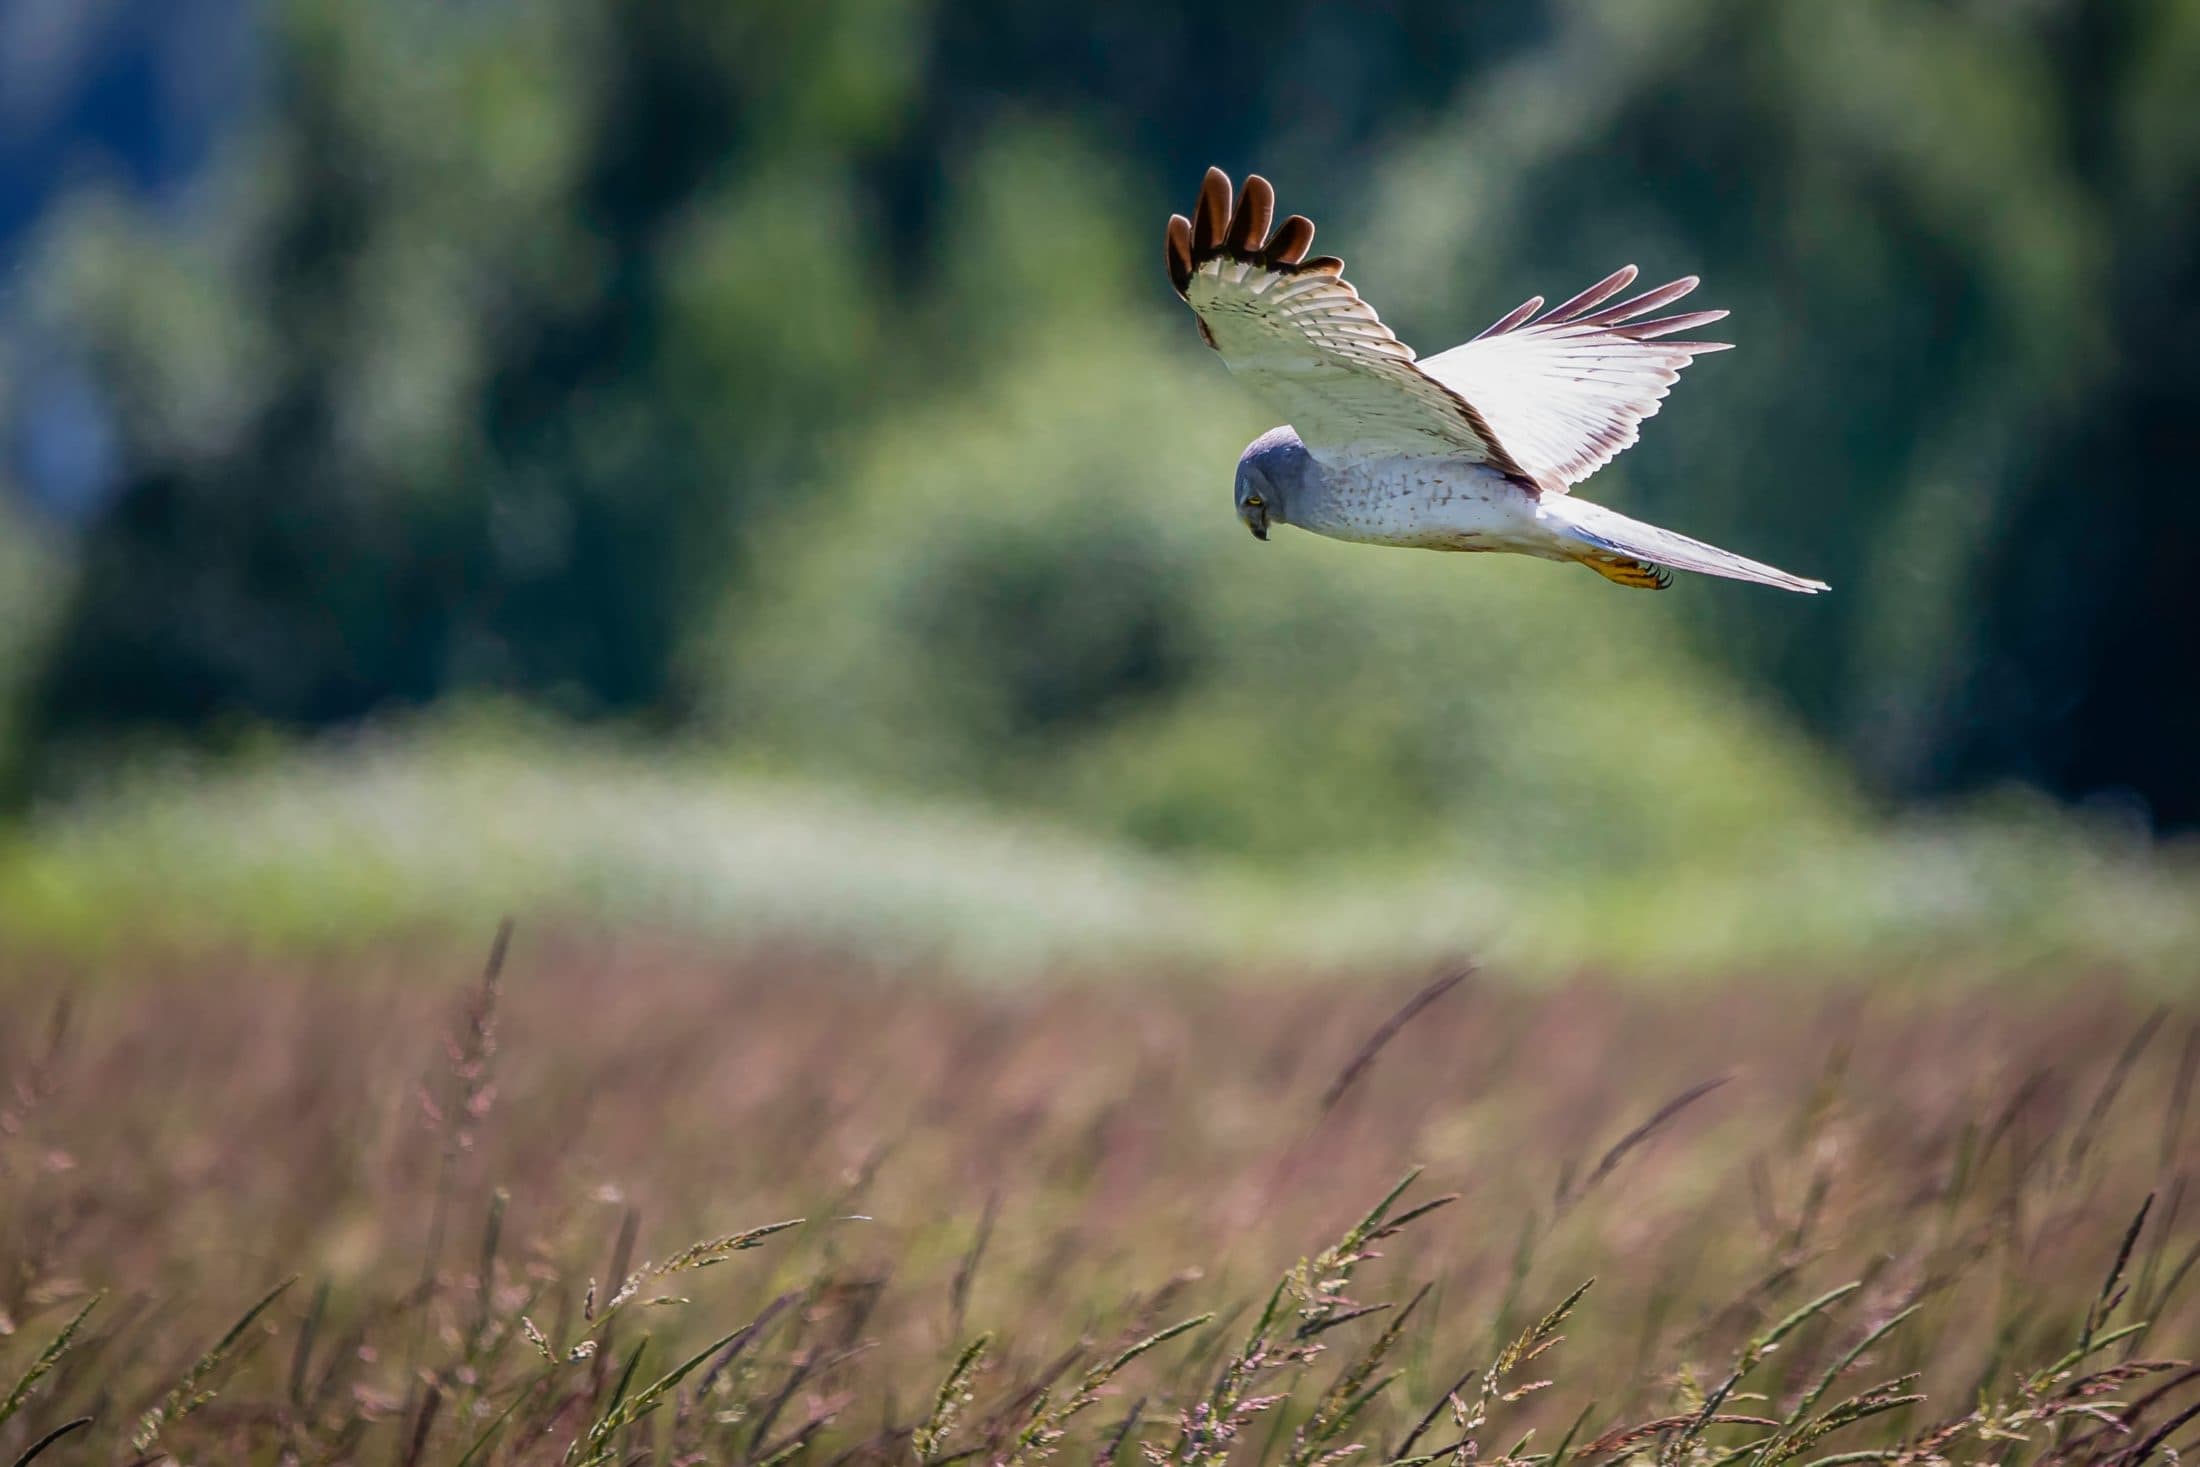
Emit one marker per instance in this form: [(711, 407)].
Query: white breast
[(1430, 503)]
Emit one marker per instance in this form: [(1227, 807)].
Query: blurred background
[(742, 468)]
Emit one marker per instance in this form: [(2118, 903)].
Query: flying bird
[(1471, 449)]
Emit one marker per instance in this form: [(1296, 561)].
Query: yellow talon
[(1640, 574)]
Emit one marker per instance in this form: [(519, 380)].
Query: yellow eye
[(1253, 501)]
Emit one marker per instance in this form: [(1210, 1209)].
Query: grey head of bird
[(1274, 473)]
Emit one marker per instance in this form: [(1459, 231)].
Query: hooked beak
[(1260, 531)]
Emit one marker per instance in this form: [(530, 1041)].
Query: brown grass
[(489, 1201)]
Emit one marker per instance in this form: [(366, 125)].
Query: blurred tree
[(2089, 606), (504, 319)]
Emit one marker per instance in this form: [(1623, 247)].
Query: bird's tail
[(1627, 551)]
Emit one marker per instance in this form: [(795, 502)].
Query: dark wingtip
[(1179, 247), (1211, 220), (1240, 224), (1256, 210), (1292, 239)]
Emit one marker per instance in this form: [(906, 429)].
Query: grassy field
[(376, 1210)]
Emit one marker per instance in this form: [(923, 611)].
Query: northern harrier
[(1471, 449)]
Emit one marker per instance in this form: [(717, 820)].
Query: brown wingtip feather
[(1256, 210), (1235, 224), (1293, 238), (1211, 219), (1179, 246)]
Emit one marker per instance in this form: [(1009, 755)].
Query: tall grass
[(329, 1215)]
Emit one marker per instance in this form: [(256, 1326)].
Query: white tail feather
[(1608, 530)]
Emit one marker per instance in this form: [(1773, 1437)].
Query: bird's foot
[(1627, 571)]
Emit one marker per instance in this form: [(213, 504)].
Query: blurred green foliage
[(803, 377), (419, 827)]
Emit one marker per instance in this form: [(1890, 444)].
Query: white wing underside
[(1547, 399), (1567, 398), (1319, 354)]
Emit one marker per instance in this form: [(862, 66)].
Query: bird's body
[(1421, 504), (1470, 450)]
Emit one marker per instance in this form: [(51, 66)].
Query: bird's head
[(1271, 472)]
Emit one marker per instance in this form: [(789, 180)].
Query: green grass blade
[(488, 1433), (47, 1359), (188, 1395), (1805, 1314)]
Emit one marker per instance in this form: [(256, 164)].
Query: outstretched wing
[(1296, 332), (1566, 391)]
